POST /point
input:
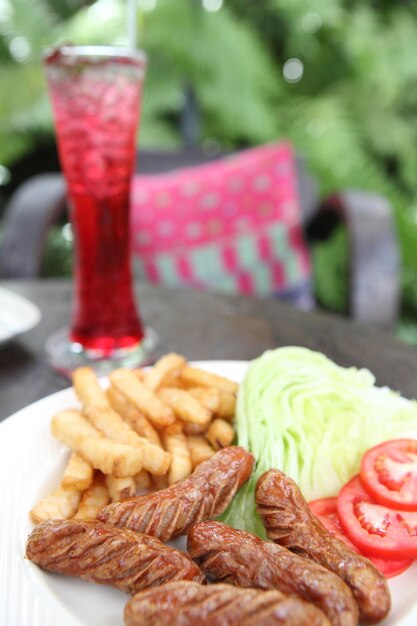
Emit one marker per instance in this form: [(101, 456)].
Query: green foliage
[(222, 58), (331, 271), (407, 329), (58, 255)]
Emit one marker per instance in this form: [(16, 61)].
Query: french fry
[(181, 466), (200, 449), (111, 457), (120, 488), (209, 397), (88, 388), (140, 373), (162, 368), (155, 459), (71, 420), (93, 499), (132, 416), (143, 398), (195, 429), (220, 434), (227, 406), (185, 406), (111, 425), (78, 475), (61, 504), (102, 453), (172, 380), (195, 377), (142, 480), (174, 429)]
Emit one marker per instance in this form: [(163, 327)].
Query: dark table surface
[(202, 326)]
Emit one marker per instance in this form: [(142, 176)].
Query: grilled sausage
[(242, 559), (188, 604), (107, 555), (171, 512), (289, 522)]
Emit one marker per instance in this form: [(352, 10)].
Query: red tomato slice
[(326, 510), (389, 474), (376, 530), (390, 567)]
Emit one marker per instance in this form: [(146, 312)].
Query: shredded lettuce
[(300, 412)]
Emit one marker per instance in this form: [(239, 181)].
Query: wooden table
[(202, 326)]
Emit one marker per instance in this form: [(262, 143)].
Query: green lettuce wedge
[(300, 412)]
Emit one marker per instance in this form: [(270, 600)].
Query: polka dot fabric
[(233, 225)]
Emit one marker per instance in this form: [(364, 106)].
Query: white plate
[(17, 315), (31, 461)]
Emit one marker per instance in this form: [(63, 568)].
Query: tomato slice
[(389, 474), (390, 567), (375, 529), (326, 510)]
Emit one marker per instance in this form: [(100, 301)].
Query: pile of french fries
[(147, 430)]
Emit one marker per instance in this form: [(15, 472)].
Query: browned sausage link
[(242, 559), (188, 604), (107, 555), (171, 512), (289, 522)]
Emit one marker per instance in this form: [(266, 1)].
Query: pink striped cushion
[(233, 225)]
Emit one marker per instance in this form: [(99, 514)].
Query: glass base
[(65, 356)]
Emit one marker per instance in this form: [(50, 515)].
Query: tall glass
[(96, 95)]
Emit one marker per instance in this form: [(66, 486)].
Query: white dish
[(31, 461), (17, 315)]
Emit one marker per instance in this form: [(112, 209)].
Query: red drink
[(96, 101), (105, 316)]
